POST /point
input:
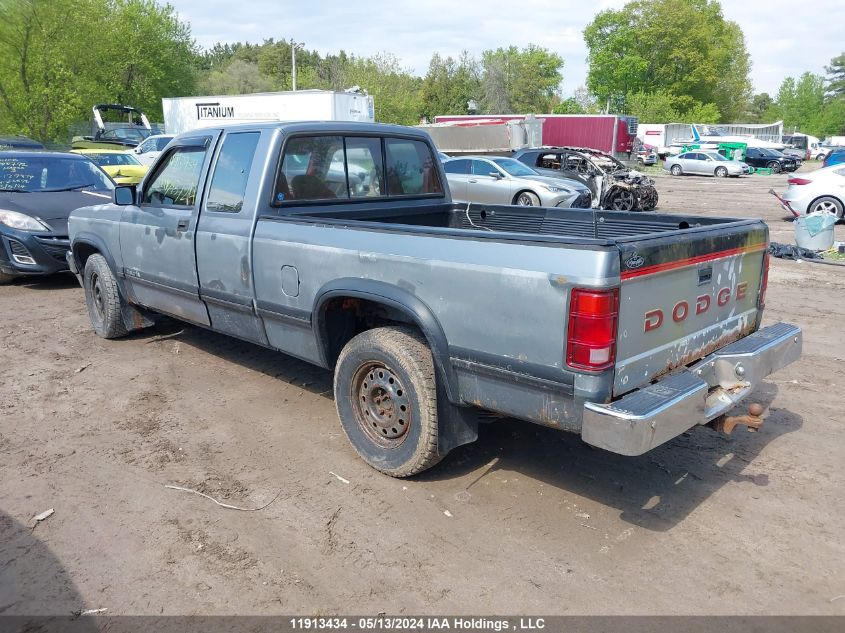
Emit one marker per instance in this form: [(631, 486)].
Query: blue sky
[(784, 37)]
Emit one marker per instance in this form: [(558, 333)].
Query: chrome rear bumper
[(650, 416)]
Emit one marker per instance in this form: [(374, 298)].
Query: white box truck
[(188, 113)]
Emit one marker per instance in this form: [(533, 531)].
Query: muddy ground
[(527, 520)]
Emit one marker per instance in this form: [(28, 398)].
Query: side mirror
[(137, 149), (496, 175), (125, 195)]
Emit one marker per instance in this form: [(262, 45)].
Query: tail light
[(591, 336), (764, 282), (798, 181)]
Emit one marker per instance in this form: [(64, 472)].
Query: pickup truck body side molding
[(514, 370), (400, 299), (294, 316)]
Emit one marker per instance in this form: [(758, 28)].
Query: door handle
[(473, 181), (182, 225)]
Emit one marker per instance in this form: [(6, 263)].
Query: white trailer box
[(189, 113)]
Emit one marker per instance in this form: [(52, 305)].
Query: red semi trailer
[(610, 133)]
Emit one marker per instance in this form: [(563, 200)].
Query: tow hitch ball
[(753, 420)]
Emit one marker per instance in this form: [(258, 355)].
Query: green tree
[(395, 90), (449, 85), (238, 77), (657, 45), (60, 57), (836, 77), (662, 106), (803, 106), (757, 108), (515, 80)]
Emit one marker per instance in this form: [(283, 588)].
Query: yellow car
[(123, 168)]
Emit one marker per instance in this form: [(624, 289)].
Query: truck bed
[(510, 222)]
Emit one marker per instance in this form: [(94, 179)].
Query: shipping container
[(606, 132), (189, 113)]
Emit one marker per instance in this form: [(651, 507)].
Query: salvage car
[(704, 164), (819, 190), (130, 129), (627, 329), (38, 190), (613, 185), (770, 159), (497, 180), (123, 168)]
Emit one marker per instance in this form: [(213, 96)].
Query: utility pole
[(293, 64)]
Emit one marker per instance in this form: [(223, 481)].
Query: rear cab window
[(334, 167)]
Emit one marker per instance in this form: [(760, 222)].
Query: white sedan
[(819, 190), (151, 148)]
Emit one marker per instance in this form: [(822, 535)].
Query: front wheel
[(622, 200), (774, 166), (103, 298), (676, 170), (527, 199), (385, 392), (721, 172)]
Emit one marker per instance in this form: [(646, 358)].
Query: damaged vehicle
[(130, 128), (614, 185)]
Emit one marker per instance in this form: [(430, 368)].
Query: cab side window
[(410, 168), (176, 183), (228, 184)]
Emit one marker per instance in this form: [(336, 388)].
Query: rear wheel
[(386, 397), (774, 166), (828, 204), (721, 172), (676, 170), (103, 298), (527, 199)]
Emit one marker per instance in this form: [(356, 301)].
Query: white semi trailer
[(182, 114)]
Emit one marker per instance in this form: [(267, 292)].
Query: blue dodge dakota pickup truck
[(338, 243)]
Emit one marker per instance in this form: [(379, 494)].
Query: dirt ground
[(527, 520)]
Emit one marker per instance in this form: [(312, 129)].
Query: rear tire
[(677, 170), (103, 298), (721, 172), (527, 199), (827, 203), (385, 392)]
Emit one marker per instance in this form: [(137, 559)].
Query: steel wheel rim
[(524, 200), (382, 405), (623, 201), (97, 296)]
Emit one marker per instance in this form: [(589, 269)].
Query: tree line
[(660, 60)]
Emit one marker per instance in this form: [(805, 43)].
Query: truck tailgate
[(683, 296)]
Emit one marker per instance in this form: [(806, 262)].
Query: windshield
[(107, 160), (51, 173), (514, 167)]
